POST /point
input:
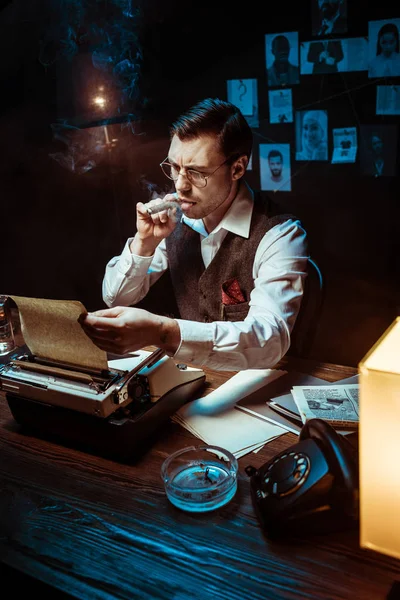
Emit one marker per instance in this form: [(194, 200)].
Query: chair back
[(306, 324)]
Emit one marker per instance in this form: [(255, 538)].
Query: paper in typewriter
[(51, 331)]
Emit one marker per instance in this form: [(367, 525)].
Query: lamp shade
[(379, 444)]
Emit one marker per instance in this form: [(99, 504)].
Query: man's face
[(281, 49), (376, 144), (275, 165), (202, 154), (328, 8)]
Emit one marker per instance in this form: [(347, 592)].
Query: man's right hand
[(151, 229)]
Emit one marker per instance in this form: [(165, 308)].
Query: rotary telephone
[(311, 487)]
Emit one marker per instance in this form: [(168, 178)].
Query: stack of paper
[(276, 404), (216, 420)]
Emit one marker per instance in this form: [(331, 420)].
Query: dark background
[(60, 225)]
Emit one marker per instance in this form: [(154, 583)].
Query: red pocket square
[(231, 292)]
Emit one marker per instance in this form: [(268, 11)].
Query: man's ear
[(239, 167)]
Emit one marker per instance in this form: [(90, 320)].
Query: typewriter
[(113, 412)]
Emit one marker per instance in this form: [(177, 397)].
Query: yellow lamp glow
[(379, 444)]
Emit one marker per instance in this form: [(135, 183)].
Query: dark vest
[(198, 291)]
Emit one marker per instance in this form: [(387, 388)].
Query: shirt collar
[(237, 218)]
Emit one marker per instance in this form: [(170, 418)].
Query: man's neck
[(212, 220)]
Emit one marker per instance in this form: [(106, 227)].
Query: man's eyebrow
[(193, 167)]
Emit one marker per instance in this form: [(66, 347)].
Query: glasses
[(195, 177)]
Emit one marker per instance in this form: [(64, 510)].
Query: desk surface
[(98, 529)]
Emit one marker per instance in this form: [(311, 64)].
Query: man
[(325, 55), (376, 163), (237, 272), (332, 17), (282, 72), (278, 178), (275, 163)]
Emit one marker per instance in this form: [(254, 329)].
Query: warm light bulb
[(100, 101)]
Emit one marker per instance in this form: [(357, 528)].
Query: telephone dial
[(311, 487)]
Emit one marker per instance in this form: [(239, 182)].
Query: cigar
[(156, 208)]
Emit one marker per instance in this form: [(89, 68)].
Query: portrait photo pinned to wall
[(378, 146), (323, 56), (275, 167), (328, 17), (332, 56), (311, 135), (243, 94), (280, 106), (344, 145), (282, 58), (384, 50), (388, 99)]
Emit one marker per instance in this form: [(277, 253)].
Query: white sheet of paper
[(234, 430), (129, 363), (216, 421)]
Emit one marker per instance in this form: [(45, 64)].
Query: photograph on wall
[(243, 94), (388, 99), (378, 146), (311, 135), (280, 106), (328, 17), (344, 145), (275, 167), (282, 58), (384, 51), (333, 56)]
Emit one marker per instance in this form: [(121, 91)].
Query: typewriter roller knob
[(138, 389)]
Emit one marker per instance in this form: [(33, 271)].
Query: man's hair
[(280, 40), (216, 117), (275, 153), (387, 28)]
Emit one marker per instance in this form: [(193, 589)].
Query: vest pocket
[(234, 312)]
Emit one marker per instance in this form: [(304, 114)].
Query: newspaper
[(344, 145), (337, 404)]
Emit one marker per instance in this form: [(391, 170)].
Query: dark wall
[(61, 223)]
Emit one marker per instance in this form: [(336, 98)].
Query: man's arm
[(314, 52), (259, 341), (123, 329), (128, 277)]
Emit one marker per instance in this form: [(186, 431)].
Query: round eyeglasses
[(195, 177)]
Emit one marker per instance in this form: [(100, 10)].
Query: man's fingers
[(107, 312), (101, 318), (97, 333)]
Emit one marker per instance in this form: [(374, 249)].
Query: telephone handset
[(311, 487)]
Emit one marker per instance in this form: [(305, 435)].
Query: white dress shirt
[(279, 269)]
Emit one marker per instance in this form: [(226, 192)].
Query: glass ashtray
[(200, 478)]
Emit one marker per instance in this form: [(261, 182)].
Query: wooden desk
[(97, 529)]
